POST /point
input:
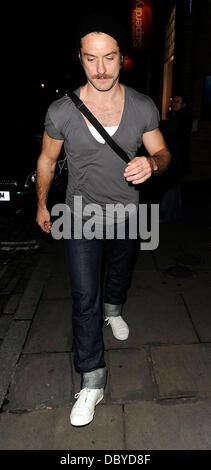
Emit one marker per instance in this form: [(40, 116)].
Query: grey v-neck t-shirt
[(95, 171)]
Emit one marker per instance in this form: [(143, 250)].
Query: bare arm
[(46, 164), (142, 168)]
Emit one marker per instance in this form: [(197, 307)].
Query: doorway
[(167, 86)]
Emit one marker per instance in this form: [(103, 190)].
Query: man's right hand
[(43, 219), (46, 163)]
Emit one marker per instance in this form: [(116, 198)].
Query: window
[(206, 98)]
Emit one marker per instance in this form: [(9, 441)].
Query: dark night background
[(39, 47)]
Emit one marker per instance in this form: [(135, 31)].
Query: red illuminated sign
[(142, 24)]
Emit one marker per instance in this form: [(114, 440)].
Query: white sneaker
[(83, 410), (119, 327)]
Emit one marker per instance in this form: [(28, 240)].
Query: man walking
[(101, 178)]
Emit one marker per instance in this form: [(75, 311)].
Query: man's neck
[(90, 93)]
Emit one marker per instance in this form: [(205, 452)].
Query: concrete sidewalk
[(158, 394)]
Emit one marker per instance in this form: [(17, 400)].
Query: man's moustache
[(102, 76)]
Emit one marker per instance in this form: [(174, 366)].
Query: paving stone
[(3, 270), (178, 426), (59, 257), (129, 376), (145, 282), (51, 330), (198, 280), (57, 287), (7, 276), (10, 351), (34, 288), (11, 286), (51, 430), (49, 245), (58, 283), (166, 253), (182, 370), (179, 241), (199, 304), (12, 304), (198, 246), (144, 261), (4, 325), (41, 380), (156, 317)]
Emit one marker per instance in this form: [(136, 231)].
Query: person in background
[(178, 139)]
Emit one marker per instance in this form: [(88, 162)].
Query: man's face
[(177, 103), (100, 57)]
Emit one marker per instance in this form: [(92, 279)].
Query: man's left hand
[(139, 169)]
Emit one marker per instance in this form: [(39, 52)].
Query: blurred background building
[(175, 55)]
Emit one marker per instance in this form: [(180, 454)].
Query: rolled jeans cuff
[(94, 379), (111, 310)]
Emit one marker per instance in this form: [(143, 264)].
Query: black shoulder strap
[(81, 106)]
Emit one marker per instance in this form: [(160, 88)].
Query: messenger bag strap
[(81, 106)]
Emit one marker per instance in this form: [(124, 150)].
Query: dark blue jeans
[(84, 258)]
